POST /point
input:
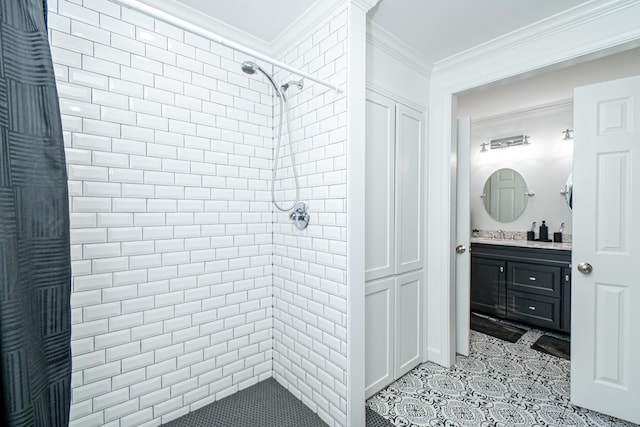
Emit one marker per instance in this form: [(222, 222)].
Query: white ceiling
[(440, 28), (435, 28), (264, 19)]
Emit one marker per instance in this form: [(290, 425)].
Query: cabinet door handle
[(566, 278), (532, 308), (533, 279), (501, 269)]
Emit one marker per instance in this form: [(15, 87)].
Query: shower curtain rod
[(185, 25)]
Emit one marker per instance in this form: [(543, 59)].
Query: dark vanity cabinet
[(490, 297), (531, 285)]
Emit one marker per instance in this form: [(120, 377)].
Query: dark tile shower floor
[(266, 404)]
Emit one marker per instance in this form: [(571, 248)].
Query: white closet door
[(409, 188), (408, 345), (379, 187), (379, 320)]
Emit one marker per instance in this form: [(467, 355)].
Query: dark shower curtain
[(35, 274)]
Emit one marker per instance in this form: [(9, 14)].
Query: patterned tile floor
[(499, 384)]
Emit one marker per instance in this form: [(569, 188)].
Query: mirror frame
[(567, 191)]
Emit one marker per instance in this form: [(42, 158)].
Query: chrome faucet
[(502, 234)]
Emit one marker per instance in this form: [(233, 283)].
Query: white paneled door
[(394, 256), (379, 334), (408, 348), (463, 225), (605, 339), (409, 179), (380, 188)]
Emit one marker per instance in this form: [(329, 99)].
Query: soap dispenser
[(544, 232)]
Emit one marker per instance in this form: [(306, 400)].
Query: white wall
[(169, 150), (168, 146), (545, 88), (395, 70), (310, 283), (545, 165), (526, 105)]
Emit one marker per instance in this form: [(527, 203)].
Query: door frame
[(589, 31)]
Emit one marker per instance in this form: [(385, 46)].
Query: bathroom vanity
[(525, 281)]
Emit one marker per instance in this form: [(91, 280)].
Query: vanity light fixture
[(568, 135), (511, 141)]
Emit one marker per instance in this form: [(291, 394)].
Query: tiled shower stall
[(187, 284)]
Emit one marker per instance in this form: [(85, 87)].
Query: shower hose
[(277, 158)]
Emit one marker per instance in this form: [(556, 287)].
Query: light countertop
[(522, 243)]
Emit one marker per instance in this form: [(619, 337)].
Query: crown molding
[(381, 38), (365, 5), (395, 97), (533, 111), (203, 20), (310, 18), (570, 18)]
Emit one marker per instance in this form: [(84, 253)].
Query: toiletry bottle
[(557, 237), (544, 232), (531, 234)]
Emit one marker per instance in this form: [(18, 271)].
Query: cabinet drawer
[(533, 278), (535, 309)]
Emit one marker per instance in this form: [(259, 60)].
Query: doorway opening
[(540, 107), (513, 279)]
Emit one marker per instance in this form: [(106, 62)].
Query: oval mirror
[(568, 191), (505, 195)]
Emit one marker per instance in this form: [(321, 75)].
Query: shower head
[(250, 67)]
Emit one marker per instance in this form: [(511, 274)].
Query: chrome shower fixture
[(297, 83), (250, 67), (300, 213)]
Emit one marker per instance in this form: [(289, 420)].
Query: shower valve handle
[(300, 216)]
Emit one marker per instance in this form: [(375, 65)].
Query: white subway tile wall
[(310, 283), (169, 148)]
